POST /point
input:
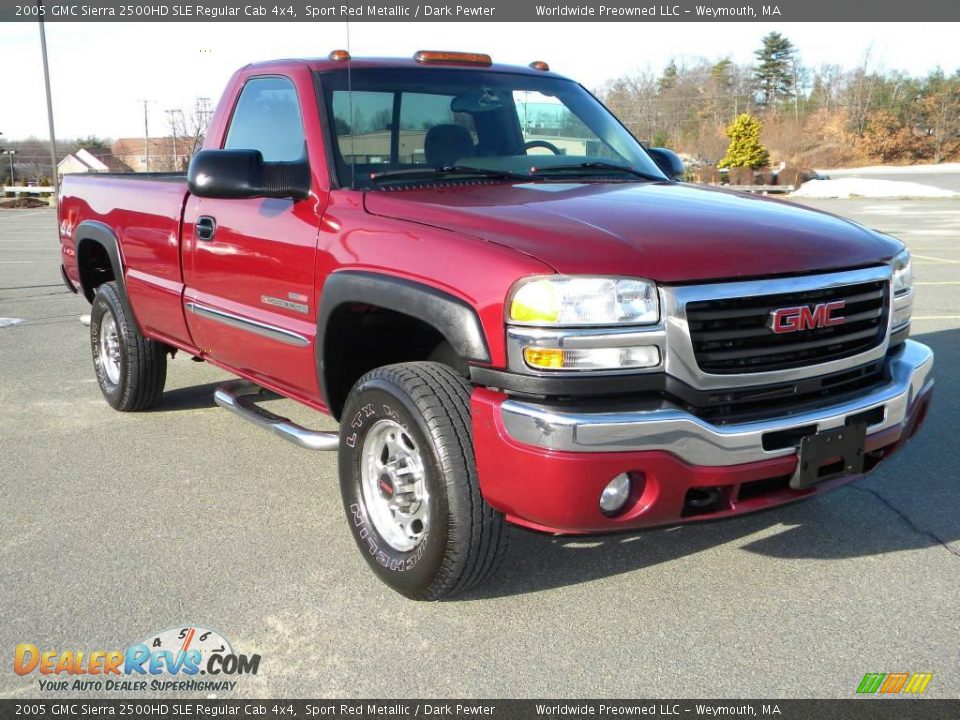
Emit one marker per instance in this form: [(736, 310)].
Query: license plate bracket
[(829, 455)]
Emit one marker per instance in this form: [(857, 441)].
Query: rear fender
[(103, 235)]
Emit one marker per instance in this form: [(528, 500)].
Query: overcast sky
[(102, 71)]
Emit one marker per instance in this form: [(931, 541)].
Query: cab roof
[(326, 64)]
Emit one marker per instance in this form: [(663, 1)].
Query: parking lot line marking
[(936, 259), (17, 262), (935, 317), (945, 282), (7, 217)]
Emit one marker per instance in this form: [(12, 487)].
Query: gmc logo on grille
[(806, 317)]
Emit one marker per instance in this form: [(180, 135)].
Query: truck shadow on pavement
[(194, 397), (908, 503)]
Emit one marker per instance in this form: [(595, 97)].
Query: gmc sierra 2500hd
[(515, 311)]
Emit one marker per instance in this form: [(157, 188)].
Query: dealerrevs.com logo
[(894, 683), (185, 659)]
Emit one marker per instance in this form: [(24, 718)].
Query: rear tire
[(409, 482), (131, 369)]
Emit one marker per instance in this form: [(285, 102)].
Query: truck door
[(248, 264)]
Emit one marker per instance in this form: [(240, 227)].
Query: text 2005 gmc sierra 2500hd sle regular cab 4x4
[(515, 311)]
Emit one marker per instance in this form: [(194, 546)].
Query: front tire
[(409, 482), (131, 369)]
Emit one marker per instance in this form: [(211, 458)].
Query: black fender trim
[(454, 318), (103, 235), (66, 279)]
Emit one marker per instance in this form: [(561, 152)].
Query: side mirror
[(669, 162), (233, 174)]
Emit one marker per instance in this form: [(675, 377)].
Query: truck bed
[(144, 212)]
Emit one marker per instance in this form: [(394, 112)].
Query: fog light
[(901, 316), (615, 494)]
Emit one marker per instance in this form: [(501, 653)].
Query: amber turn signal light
[(443, 57), (339, 55)]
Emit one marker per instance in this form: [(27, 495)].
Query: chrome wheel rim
[(109, 348), (393, 484)]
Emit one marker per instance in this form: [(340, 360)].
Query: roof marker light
[(338, 55), (443, 57), (540, 65)]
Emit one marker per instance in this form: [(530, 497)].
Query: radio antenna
[(353, 135)]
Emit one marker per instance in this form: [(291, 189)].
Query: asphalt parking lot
[(115, 526)]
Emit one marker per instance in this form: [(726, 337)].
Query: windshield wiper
[(431, 173), (595, 167)]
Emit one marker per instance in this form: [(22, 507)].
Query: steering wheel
[(543, 144)]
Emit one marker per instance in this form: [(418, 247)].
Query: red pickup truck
[(515, 311)]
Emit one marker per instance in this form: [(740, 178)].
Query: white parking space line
[(931, 259), (935, 317), (18, 262), (899, 210), (4, 216), (945, 282)]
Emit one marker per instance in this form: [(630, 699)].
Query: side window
[(545, 119), (267, 118)]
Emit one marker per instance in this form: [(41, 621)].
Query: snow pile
[(940, 169), (869, 188)]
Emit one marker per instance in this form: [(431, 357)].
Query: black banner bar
[(874, 708), (481, 10)]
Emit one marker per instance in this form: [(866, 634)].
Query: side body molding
[(103, 235), (455, 319)]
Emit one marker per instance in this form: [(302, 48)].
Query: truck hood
[(667, 232)]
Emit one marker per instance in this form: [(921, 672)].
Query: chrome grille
[(733, 335)]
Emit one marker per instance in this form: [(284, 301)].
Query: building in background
[(166, 154), (85, 161)]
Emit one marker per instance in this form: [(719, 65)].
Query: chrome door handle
[(205, 228)]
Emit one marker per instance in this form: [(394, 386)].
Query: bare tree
[(190, 127), (861, 84), (941, 111)]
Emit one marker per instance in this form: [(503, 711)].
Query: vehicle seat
[(445, 144)]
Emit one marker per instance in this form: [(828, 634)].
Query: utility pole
[(172, 114), (46, 82), (10, 154), (146, 136)]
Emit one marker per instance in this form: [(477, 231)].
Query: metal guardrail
[(28, 189), (765, 189)]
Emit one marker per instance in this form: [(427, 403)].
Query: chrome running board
[(234, 396)]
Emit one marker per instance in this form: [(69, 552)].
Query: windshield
[(418, 123)]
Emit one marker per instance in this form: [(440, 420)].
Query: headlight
[(902, 273), (902, 285), (570, 300)]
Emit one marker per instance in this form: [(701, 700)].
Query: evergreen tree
[(745, 149), (93, 143), (669, 77), (774, 73)]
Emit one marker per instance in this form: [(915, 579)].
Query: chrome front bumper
[(698, 442)]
